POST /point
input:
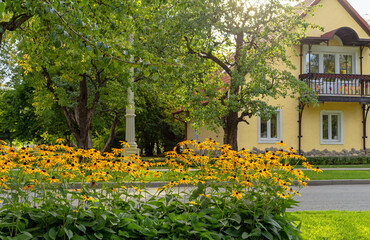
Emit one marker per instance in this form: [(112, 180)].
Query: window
[(331, 127), (270, 131), (329, 59)]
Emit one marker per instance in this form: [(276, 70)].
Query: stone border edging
[(338, 182)]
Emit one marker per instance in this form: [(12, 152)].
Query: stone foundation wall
[(324, 153)]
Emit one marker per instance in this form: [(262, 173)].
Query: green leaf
[(57, 44), (267, 235), (236, 217), (78, 237), (146, 73), (134, 226), (68, 232), (98, 235), (232, 232), (24, 236), (52, 233), (123, 234), (198, 191), (2, 8), (155, 76), (245, 235), (80, 227)]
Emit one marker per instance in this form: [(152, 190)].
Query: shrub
[(335, 160), (235, 195)]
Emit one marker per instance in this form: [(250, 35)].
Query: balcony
[(339, 87)]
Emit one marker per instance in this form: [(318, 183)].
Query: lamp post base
[(129, 151)]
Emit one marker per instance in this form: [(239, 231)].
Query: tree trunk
[(231, 130), (112, 135), (80, 117)]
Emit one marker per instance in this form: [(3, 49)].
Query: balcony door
[(332, 60), (335, 63)]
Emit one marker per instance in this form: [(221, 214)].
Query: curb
[(338, 182)]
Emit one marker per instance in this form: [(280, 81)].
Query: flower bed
[(235, 195)]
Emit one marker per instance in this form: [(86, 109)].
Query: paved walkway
[(354, 197)]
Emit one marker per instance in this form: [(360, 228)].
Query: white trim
[(279, 129), (340, 133), (337, 50)]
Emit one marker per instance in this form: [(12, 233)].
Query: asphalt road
[(334, 197)]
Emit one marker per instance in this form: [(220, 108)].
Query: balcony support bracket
[(365, 111), (300, 113)]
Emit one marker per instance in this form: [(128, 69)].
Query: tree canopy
[(78, 55), (243, 43)]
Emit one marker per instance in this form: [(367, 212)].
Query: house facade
[(334, 63)]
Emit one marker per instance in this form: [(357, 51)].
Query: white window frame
[(279, 129), (335, 50), (340, 127)]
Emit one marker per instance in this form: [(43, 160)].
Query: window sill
[(269, 140), (331, 142)]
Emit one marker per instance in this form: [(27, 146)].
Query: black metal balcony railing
[(338, 84)]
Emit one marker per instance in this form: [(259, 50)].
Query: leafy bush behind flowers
[(51, 192)]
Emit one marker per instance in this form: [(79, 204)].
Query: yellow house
[(334, 63)]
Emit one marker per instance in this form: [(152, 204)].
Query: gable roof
[(345, 4)]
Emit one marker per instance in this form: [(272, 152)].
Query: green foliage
[(155, 126), (343, 160), (17, 114)]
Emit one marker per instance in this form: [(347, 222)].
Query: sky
[(362, 7)]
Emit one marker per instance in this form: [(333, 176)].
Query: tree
[(243, 40), (68, 73), (156, 129), (69, 56)]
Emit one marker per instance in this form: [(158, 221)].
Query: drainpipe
[(361, 57), (300, 104), (300, 113), (364, 110), (301, 58)]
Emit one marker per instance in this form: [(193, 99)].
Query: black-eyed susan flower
[(237, 194)]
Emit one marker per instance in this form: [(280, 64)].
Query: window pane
[(334, 127), (312, 67), (325, 127), (345, 64), (329, 63), (273, 122), (263, 128)]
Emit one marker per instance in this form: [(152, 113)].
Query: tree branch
[(208, 55)]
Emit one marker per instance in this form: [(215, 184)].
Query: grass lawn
[(334, 225), (338, 174)]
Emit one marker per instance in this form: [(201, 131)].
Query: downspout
[(301, 106), (365, 110), (361, 57), (301, 59)]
